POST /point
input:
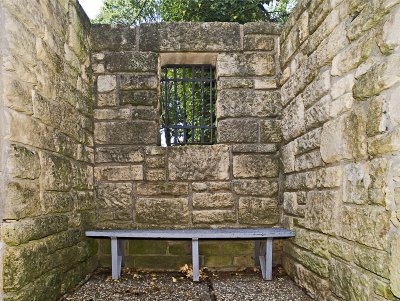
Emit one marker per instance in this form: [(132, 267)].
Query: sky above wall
[(91, 7)]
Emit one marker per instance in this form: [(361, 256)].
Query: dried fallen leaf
[(173, 279)]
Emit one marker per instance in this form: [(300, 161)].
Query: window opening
[(187, 105)]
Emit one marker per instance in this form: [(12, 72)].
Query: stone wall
[(140, 184), (340, 80), (46, 148)]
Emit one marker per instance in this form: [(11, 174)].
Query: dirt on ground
[(170, 286)]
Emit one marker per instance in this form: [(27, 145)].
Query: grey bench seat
[(263, 236)]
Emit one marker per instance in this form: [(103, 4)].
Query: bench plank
[(259, 233)]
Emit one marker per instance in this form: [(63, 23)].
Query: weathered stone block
[(139, 98), (266, 28), (316, 242), (214, 217), (190, 36), (385, 143), (322, 211), (133, 113), (112, 37), (57, 172), (246, 64), (258, 42), (252, 103), (147, 247), (255, 187), (378, 175), (199, 163), (288, 153), (114, 195), (153, 189), (309, 160), (377, 116), (329, 177), (255, 148), (318, 114), (265, 83), (258, 211), (311, 140), (238, 131), (119, 173), (156, 175), (356, 183), (254, 166), (119, 154), (219, 200), (369, 226), (106, 99), (293, 122), (23, 163), (342, 86), (349, 283), (344, 138), (270, 131), (162, 211), (155, 162), (301, 181), (232, 83), (131, 61), (290, 205), (138, 82), (106, 83), (129, 132), (372, 260)]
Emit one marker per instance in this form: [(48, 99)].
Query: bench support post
[(116, 257), (266, 259), (195, 259)]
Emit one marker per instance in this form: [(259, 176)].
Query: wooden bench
[(263, 237)]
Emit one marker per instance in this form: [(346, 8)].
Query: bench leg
[(266, 259), (195, 259), (116, 257)]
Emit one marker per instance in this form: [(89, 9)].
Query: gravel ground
[(144, 286)]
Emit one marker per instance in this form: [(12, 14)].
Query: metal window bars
[(187, 105)]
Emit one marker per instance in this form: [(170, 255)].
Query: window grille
[(187, 104)]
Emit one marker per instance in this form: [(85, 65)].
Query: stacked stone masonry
[(308, 138), (139, 184), (340, 96), (46, 149)]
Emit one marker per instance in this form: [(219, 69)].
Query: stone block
[(252, 103), (385, 143), (322, 211), (257, 187), (139, 98), (233, 83), (290, 204), (309, 141), (255, 148), (166, 188), (114, 195), (377, 117), (219, 200), (158, 247), (162, 211), (119, 154), (254, 166), (258, 211), (366, 225), (349, 283), (308, 160), (342, 86), (341, 105), (344, 138), (161, 263), (57, 172), (265, 83), (132, 113), (246, 64), (293, 122), (317, 89), (131, 61), (106, 99), (155, 162), (378, 78), (106, 83), (329, 177), (372, 260), (270, 131), (235, 130), (23, 163), (288, 153), (258, 43), (378, 175), (119, 173), (112, 37), (219, 186), (138, 82), (129, 132), (190, 36), (318, 114), (199, 163), (215, 261), (214, 217), (313, 241), (265, 28), (301, 181), (394, 264), (156, 175), (356, 183)]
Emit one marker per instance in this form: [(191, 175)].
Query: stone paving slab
[(217, 286)]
